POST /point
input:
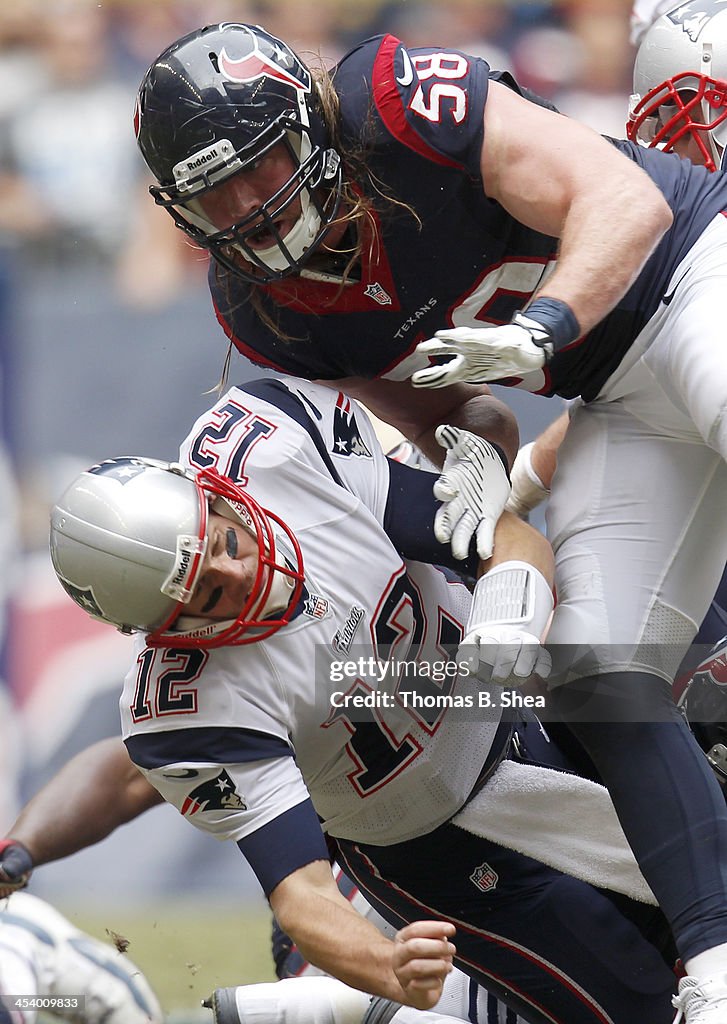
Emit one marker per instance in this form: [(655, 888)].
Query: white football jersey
[(236, 736), (44, 957)]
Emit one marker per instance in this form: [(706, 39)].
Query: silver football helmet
[(128, 540), (680, 81)]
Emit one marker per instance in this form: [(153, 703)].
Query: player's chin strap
[(277, 600), (281, 586)]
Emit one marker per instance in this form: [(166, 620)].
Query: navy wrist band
[(557, 318)]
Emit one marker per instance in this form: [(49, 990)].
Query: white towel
[(562, 820)]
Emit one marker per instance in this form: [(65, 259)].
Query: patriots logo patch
[(218, 794), (347, 439), (694, 15)]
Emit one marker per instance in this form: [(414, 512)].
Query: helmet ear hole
[(214, 61)]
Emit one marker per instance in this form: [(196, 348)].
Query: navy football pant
[(553, 948), (669, 803)]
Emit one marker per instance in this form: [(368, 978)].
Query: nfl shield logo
[(484, 877), (316, 607), (376, 292)]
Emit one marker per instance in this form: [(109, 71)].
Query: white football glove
[(474, 488), (511, 608), (504, 654), (483, 353), (528, 490)]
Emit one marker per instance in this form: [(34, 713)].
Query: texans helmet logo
[(714, 668), (257, 64)]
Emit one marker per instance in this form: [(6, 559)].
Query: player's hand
[(528, 490), (503, 654), (422, 959), (474, 488), (16, 866), (479, 354)]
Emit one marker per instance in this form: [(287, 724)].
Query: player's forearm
[(518, 541), (544, 454), (560, 178), (334, 937), (92, 794), (417, 416), (483, 415), (596, 267), (353, 955)]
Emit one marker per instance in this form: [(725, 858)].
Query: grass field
[(188, 950)]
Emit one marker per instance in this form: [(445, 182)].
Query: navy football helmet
[(704, 702), (212, 105)]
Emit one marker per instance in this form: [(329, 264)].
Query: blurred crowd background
[(108, 343)]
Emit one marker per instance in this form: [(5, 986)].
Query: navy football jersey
[(450, 256)]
